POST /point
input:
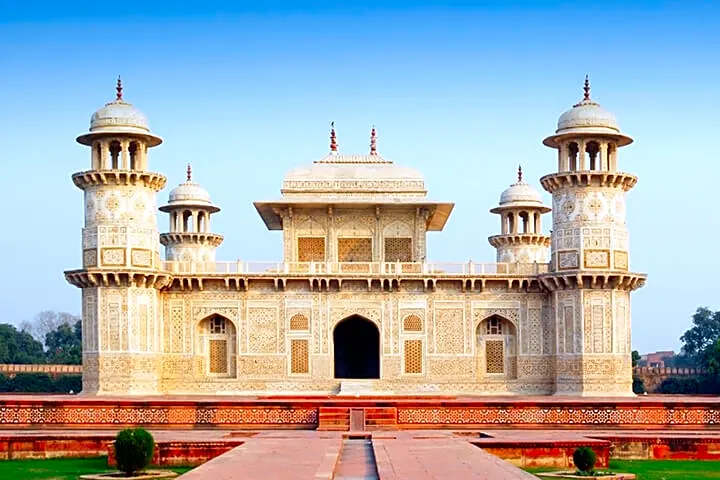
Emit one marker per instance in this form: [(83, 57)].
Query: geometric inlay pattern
[(299, 322), (299, 356), (358, 249), (398, 249), (413, 356), (311, 249), (218, 356), (494, 356), (412, 323)]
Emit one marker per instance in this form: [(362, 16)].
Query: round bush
[(133, 449), (584, 459)]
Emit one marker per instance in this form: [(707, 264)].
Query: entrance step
[(334, 419), (381, 418), (357, 387)]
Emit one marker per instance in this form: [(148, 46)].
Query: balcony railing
[(355, 268)]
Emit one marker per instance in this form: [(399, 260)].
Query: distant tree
[(19, 347), (712, 358), (635, 358), (704, 333), (47, 321), (64, 344)]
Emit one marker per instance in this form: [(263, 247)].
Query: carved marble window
[(216, 343), (413, 356), (494, 356), (412, 323), (497, 348), (299, 356), (398, 249), (299, 322), (311, 249), (355, 249)]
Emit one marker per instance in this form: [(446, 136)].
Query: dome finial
[(333, 139), (586, 88), (373, 141), (118, 89), (189, 173), (519, 173)]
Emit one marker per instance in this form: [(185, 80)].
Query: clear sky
[(463, 91)]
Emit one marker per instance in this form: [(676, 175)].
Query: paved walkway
[(318, 455)]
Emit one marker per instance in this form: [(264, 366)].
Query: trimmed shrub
[(133, 449), (584, 459)]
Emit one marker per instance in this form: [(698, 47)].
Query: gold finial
[(189, 173), (586, 88), (519, 173), (333, 139), (373, 142), (118, 89)]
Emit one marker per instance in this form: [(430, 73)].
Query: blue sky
[(463, 91)]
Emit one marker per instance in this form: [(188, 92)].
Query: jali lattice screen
[(299, 362), (311, 249), (218, 356), (494, 356), (398, 249), (357, 249), (413, 356)]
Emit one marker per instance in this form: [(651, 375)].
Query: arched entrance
[(356, 342)]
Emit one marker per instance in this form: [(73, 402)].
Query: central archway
[(356, 341)]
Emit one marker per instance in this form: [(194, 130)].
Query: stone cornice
[(520, 239), (593, 280), (117, 278), (588, 178), (465, 284), (193, 238), (90, 178)]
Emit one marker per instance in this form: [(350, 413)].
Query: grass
[(60, 468), (661, 469)]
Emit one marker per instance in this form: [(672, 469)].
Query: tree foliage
[(40, 383), (700, 338), (47, 321), (64, 344), (635, 358), (19, 346)]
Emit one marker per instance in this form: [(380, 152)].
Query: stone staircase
[(357, 388)]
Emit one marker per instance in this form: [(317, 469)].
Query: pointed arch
[(356, 348), (496, 348), (217, 344)]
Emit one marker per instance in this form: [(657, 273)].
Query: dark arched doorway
[(357, 348)]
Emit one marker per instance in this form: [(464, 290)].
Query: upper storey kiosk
[(354, 210)]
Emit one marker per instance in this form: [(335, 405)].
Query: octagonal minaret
[(190, 239), (521, 239), (121, 274), (589, 277)]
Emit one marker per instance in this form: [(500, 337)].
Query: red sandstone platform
[(377, 413)]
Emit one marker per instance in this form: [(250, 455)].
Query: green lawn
[(662, 469), (58, 468)]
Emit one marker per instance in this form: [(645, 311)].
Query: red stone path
[(315, 455)]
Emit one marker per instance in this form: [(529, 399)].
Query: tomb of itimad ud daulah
[(353, 304)]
